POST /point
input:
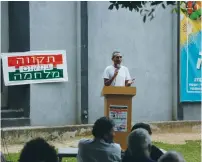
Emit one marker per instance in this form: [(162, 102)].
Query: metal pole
[(84, 62), (179, 106)]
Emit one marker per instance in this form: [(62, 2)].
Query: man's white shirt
[(120, 79)]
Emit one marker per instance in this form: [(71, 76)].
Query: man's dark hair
[(102, 126), (142, 125), (38, 150)]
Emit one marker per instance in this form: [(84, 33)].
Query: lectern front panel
[(119, 109)]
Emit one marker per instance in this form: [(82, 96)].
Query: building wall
[(192, 111), (147, 52), (53, 27), (4, 27), (4, 47)]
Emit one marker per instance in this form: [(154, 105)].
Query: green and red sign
[(34, 67)]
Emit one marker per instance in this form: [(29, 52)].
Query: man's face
[(117, 58)]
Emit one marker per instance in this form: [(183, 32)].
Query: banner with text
[(34, 67), (190, 51)]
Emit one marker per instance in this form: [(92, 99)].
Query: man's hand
[(130, 82), (116, 72), (108, 82)]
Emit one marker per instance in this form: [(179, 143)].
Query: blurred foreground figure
[(139, 146), (38, 150), (171, 156), (2, 157), (156, 153), (101, 148)]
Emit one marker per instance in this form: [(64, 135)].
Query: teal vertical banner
[(190, 53)]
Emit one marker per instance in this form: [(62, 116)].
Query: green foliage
[(145, 8)]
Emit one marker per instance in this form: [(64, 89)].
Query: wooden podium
[(118, 106)]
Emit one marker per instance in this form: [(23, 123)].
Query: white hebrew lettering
[(28, 77), (53, 58), (35, 74), (37, 60), (54, 72), (15, 77), (20, 59), (28, 60), (199, 62), (47, 74), (33, 59), (40, 59)]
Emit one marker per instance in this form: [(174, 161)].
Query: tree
[(145, 8)]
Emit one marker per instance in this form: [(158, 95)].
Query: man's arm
[(128, 81), (107, 81), (80, 150)]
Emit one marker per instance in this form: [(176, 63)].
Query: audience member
[(156, 153), (38, 150), (139, 146), (101, 148), (171, 156)]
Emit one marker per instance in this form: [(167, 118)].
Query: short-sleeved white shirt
[(120, 79)]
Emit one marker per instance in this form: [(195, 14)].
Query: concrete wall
[(192, 111), (53, 27), (147, 50), (4, 27), (4, 47)]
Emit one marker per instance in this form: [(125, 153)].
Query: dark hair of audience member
[(142, 125), (38, 150), (102, 126)]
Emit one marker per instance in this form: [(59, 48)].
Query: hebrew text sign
[(34, 67)]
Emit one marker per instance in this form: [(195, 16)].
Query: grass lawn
[(191, 151)]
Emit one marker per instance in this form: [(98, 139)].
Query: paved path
[(171, 138)]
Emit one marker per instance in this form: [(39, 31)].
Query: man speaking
[(116, 74)]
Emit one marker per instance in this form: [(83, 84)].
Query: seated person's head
[(139, 143), (104, 129), (38, 150), (143, 126), (171, 156)]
